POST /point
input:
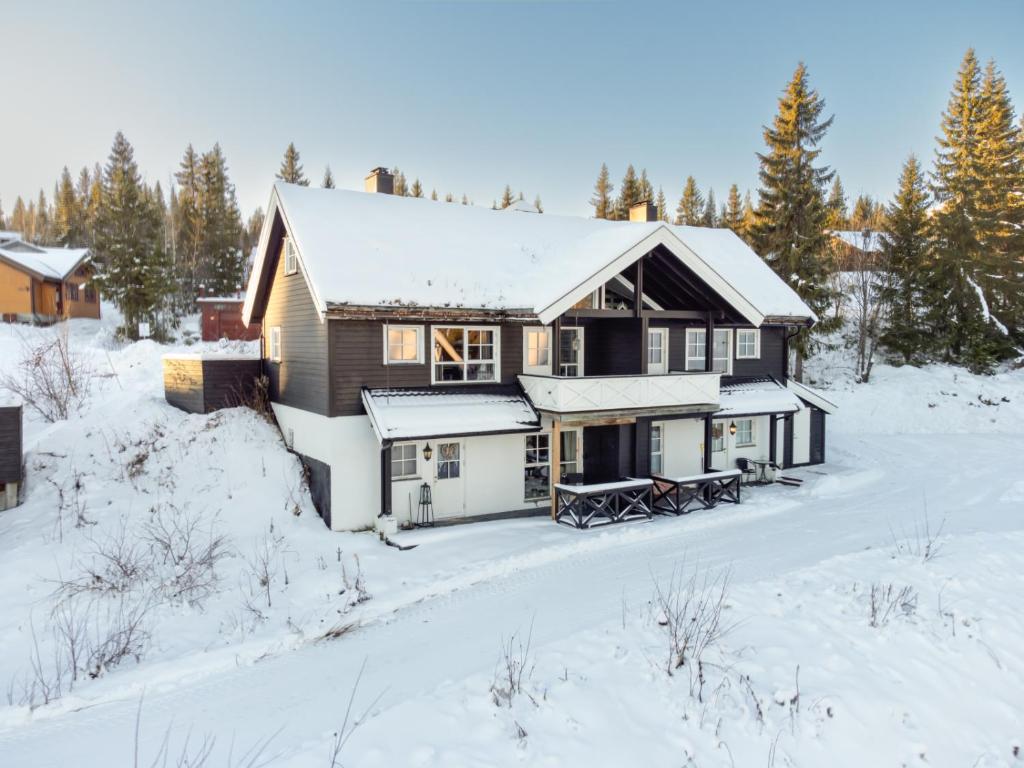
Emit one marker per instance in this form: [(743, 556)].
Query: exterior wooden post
[(773, 434), (707, 442), (645, 344), (555, 472), (556, 347), (709, 344), (385, 479)]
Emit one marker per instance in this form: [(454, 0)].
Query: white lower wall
[(760, 449), (802, 436), (683, 446), (349, 446)]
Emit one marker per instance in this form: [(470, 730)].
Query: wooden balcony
[(568, 394)]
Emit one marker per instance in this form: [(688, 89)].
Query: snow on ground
[(939, 681)]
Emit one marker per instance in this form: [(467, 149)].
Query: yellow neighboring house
[(44, 285)]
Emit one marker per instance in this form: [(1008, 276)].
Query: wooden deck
[(679, 495), (589, 506)]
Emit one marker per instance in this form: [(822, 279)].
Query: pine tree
[(401, 186), (960, 316), (187, 231), (732, 217), (906, 258), (1001, 204), (131, 270), (69, 217), (602, 199), (465, 200), (837, 213), (221, 257), (662, 206), (646, 191), (433, 195), (41, 225), (629, 194), (867, 214), (691, 204), (537, 204), (710, 215), (789, 230), (3, 219), (507, 198), (417, 189), (18, 221), (291, 168), (328, 182), (449, 198)]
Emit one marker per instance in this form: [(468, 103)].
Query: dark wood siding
[(318, 475), (204, 386), (772, 359), (817, 454), (10, 444), (357, 361), (300, 379), (613, 347), (183, 384)]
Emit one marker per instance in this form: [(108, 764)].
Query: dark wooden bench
[(588, 506)]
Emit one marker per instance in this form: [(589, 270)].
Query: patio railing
[(679, 495), (588, 506)]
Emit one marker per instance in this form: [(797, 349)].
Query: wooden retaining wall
[(199, 384)]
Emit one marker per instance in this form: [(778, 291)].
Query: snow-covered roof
[(404, 414), (523, 206), (6, 234), (868, 241), (48, 263), (812, 396), (376, 250), (755, 397), (239, 297)]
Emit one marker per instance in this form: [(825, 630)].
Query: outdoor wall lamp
[(732, 428), (427, 452)]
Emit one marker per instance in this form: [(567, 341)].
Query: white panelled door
[(657, 350), (449, 479)]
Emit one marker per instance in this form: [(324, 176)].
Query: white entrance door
[(657, 350), (449, 479), (802, 436)]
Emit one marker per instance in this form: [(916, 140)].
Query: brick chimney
[(380, 180), (645, 210)]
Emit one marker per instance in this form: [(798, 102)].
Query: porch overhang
[(759, 397)]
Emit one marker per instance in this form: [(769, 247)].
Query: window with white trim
[(463, 353), (291, 260), (403, 461), (657, 450), (744, 432), (695, 346), (274, 352), (403, 344), (569, 455), (570, 352), (449, 461), (537, 350), (718, 436), (537, 468), (748, 343)]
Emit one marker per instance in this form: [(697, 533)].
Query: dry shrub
[(51, 378)]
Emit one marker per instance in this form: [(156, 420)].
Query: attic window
[(291, 262)]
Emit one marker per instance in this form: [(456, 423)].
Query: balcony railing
[(568, 394)]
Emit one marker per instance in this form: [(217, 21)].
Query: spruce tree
[(131, 270), (449, 198), (646, 191), (3, 219), (662, 206), (187, 231), (328, 181), (790, 226), (221, 258), (1001, 204), (291, 168), (401, 185), (732, 217), (507, 198), (465, 200), (690, 210), (629, 193), (710, 216), (18, 221), (905, 256), (960, 315), (867, 214), (417, 189), (69, 217), (837, 213), (602, 199), (537, 204), (433, 195), (41, 224)]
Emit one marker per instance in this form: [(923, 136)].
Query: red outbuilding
[(222, 319)]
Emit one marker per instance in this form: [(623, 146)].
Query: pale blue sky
[(471, 95)]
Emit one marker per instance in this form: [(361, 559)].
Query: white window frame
[(720, 440), (495, 360), (757, 344), (694, 363), (580, 332), (387, 346), (578, 461), (753, 433), (663, 366), (404, 460), (529, 330), (291, 257), (274, 353), (441, 461), (660, 453), (543, 441)]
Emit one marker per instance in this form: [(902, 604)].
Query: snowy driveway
[(875, 484)]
